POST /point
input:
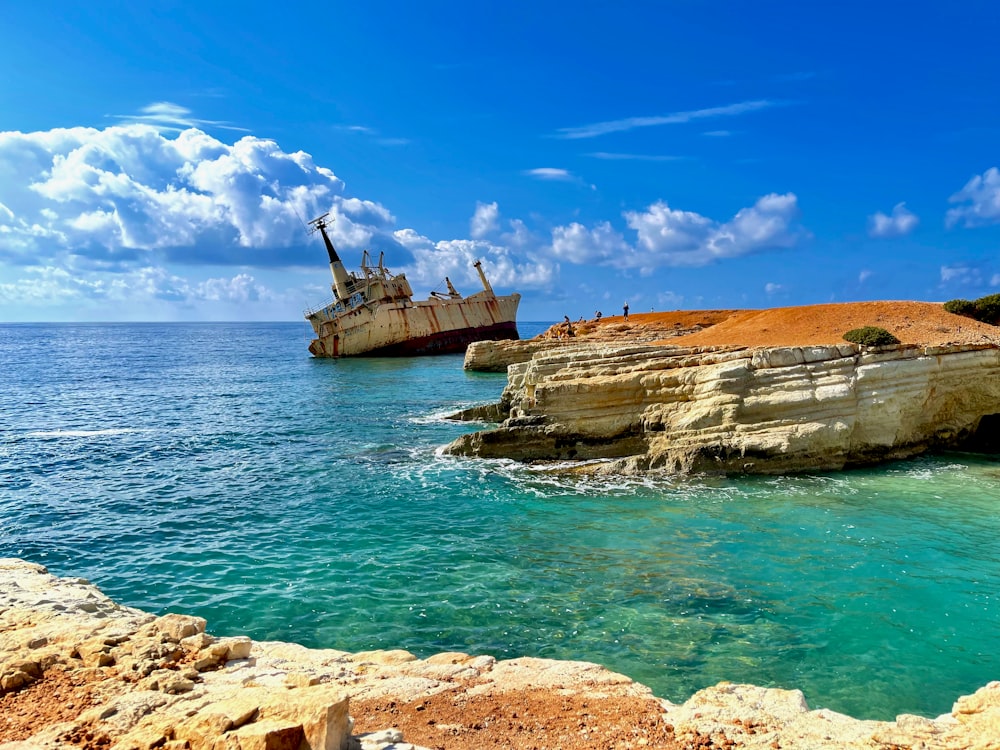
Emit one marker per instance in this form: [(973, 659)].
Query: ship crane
[(453, 293)]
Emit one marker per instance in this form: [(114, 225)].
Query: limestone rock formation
[(496, 356), (724, 409), (80, 671)]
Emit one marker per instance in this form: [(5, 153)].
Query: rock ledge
[(737, 410), (80, 671)]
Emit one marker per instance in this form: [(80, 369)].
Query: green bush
[(870, 336), (988, 309), (985, 309), (961, 307)]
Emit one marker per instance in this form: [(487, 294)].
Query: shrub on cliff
[(988, 309), (961, 307), (870, 336), (985, 309)]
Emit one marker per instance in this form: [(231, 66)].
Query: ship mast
[(337, 269), (482, 276)]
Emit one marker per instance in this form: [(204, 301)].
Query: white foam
[(444, 415), (80, 433)]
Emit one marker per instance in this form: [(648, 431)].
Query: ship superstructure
[(373, 313)]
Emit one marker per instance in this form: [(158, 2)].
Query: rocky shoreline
[(690, 407), (78, 670), (683, 393)]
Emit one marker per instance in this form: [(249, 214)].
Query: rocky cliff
[(80, 671), (725, 409)]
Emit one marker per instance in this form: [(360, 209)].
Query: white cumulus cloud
[(433, 261), (484, 220), (897, 224), (981, 201), (130, 192), (577, 244), (39, 286), (673, 237), (139, 211)]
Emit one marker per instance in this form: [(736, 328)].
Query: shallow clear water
[(218, 470)]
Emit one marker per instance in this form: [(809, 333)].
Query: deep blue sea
[(219, 470)]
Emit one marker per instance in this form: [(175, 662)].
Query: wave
[(46, 434)]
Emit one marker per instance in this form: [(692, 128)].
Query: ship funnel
[(482, 276), (336, 265)]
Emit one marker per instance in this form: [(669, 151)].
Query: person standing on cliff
[(625, 309)]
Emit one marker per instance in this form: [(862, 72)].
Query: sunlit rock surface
[(764, 410), (78, 670)]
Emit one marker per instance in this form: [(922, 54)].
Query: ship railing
[(312, 310)]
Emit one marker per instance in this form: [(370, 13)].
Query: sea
[(218, 470)]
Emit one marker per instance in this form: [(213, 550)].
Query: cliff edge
[(757, 392)]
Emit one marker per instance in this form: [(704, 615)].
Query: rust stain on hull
[(373, 314)]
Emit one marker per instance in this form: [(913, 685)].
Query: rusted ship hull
[(373, 313), (418, 328), (446, 342)]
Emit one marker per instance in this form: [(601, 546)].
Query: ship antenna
[(340, 279), (319, 223)]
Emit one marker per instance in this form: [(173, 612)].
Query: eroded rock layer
[(767, 410), (78, 670)]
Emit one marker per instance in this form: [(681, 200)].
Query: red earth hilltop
[(919, 323)]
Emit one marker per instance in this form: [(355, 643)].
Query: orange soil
[(920, 323), (455, 720), (529, 719)]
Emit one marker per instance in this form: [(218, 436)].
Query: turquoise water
[(218, 470)]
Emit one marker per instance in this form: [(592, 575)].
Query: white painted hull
[(406, 328)]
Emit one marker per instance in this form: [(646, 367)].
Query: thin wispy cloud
[(550, 173), (167, 116), (609, 156), (718, 133), (375, 135), (961, 274), (631, 123)]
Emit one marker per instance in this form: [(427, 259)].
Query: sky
[(161, 163)]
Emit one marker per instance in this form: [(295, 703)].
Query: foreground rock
[(78, 670), (765, 410)]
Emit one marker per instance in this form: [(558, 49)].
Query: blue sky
[(159, 163)]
